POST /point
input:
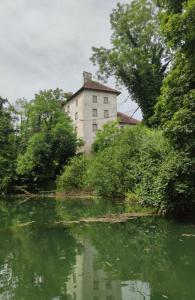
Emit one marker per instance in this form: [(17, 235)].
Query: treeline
[(36, 140), (153, 56), (137, 163)]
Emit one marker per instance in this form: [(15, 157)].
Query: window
[(108, 285), (96, 285), (76, 116), (94, 127), (106, 114), (105, 100), (94, 99), (76, 102), (68, 108), (94, 112)]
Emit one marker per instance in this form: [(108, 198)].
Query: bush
[(169, 187), (113, 171), (143, 163), (74, 175), (106, 136)]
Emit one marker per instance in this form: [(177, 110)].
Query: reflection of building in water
[(135, 290), (87, 282)]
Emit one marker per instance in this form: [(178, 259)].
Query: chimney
[(87, 77)]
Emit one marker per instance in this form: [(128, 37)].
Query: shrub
[(113, 171), (169, 187), (143, 163), (106, 136), (74, 175)]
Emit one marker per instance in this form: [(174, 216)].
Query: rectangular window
[(76, 102), (94, 112), (94, 99), (68, 108), (96, 285), (108, 285), (106, 114), (105, 100), (76, 116), (94, 127)]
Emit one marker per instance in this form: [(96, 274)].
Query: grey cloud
[(47, 43)]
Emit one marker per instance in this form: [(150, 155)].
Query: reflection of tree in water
[(74, 209), (35, 262), (146, 250)]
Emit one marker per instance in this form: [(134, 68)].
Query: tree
[(7, 146), (74, 175), (106, 136), (47, 139), (175, 109), (138, 57)]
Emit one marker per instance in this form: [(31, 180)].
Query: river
[(148, 258)]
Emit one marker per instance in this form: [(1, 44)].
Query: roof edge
[(83, 88)]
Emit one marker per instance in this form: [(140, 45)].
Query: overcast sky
[(47, 44)]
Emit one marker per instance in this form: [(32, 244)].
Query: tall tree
[(138, 57), (175, 110), (7, 146), (47, 138)]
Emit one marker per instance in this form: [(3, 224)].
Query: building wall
[(74, 106), (83, 106)]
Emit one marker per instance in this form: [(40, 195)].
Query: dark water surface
[(144, 259)]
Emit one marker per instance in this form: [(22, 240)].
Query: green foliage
[(74, 175), (143, 165), (175, 109), (138, 57), (166, 178), (106, 136), (7, 143), (47, 139), (113, 171)]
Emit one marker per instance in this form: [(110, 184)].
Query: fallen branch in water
[(25, 224), (22, 189), (114, 218)]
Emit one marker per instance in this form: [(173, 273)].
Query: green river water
[(148, 258)]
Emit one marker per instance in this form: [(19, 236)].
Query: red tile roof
[(95, 86), (124, 119)]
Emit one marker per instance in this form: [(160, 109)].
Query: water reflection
[(88, 282), (144, 259)]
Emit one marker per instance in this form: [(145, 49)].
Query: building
[(125, 120), (92, 106), (89, 282)]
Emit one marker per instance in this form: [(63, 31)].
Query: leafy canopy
[(138, 57), (7, 143), (47, 138)]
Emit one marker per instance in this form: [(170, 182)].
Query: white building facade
[(90, 108)]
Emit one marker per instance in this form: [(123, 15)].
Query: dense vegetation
[(156, 166), (138, 57), (152, 55), (37, 139), (140, 164), (7, 145)]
